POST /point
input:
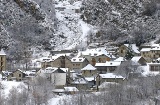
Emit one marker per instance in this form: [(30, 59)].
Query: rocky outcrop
[(31, 8)]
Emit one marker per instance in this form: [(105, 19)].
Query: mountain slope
[(130, 19)]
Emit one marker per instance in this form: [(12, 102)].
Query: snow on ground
[(8, 85), (54, 101), (58, 99), (85, 28)]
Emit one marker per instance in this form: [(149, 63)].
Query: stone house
[(146, 54), (17, 75), (108, 77), (123, 49), (120, 59), (45, 62), (154, 66), (91, 81), (56, 61), (89, 71), (58, 78), (139, 60), (80, 83), (108, 67), (151, 53), (55, 75), (97, 55), (2, 60), (155, 53), (79, 63), (62, 62)]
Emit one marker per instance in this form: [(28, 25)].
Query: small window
[(95, 54), (121, 51), (19, 75), (77, 64)]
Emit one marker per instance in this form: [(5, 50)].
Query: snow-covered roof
[(136, 58), (109, 63), (89, 67), (155, 45), (77, 59), (96, 52), (127, 45), (55, 57), (20, 70), (100, 64), (59, 55), (49, 70), (45, 59), (145, 49), (58, 70), (65, 69), (107, 84), (29, 72), (6, 73), (2, 52), (110, 75), (70, 89), (158, 59), (120, 59), (155, 48), (52, 58), (79, 81), (112, 63), (89, 78), (53, 69), (58, 90)]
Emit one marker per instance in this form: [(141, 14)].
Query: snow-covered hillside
[(71, 30)]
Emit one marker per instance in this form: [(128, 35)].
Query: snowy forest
[(45, 26)]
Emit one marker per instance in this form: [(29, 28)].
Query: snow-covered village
[(79, 52)]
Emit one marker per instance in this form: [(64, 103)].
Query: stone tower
[(2, 60)]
